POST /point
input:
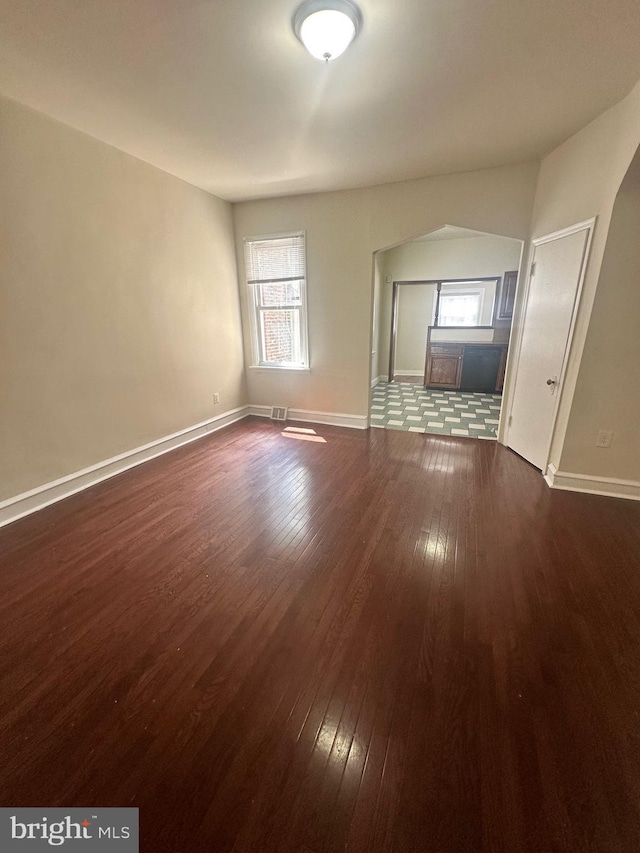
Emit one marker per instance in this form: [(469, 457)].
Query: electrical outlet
[(216, 398), (604, 438)]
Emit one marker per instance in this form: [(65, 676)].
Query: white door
[(557, 272)]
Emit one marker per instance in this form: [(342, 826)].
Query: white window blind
[(275, 270), (275, 259)]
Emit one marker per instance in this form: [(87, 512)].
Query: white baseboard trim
[(609, 487), (306, 416), (17, 507), (35, 499)]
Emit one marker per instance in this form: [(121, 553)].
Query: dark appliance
[(480, 368)]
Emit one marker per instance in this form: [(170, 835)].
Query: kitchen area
[(447, 338)]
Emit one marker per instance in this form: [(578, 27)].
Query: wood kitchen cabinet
[(444, 366), (507, 296), (465, 366)]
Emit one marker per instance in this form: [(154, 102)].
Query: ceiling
[(221, 93), (451, 232)]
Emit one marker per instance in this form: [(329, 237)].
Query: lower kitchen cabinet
[(466, 367), (444, 366)]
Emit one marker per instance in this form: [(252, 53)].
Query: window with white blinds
[(276, 277)]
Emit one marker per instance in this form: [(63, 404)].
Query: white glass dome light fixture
[(327, 27)]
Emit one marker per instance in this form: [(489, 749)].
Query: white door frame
[(562, 387)]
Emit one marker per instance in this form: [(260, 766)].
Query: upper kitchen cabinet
[(506, 296)]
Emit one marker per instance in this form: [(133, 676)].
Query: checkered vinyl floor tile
[(407, 406)]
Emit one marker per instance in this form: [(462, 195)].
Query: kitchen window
[(460, 308)]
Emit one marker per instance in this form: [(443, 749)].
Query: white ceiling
[(222, 94), (451, 232)]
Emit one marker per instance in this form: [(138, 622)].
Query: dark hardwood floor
[(384, 642)]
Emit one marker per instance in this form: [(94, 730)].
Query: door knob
[(551, 381)]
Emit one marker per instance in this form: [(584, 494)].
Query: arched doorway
[(441, 328)]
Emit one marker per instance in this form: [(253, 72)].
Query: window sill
[(279, 369)]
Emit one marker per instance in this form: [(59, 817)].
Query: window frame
[(465, 291), (256, 310)]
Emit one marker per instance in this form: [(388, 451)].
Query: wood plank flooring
[(384, 642)]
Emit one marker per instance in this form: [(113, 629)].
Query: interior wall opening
[(442, 316)]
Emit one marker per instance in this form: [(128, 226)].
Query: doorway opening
[(443, 307)]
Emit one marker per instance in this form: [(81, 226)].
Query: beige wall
[(119, 313), (579, 180), (343, 230), (459, 258), (415, 313), (608, 392)]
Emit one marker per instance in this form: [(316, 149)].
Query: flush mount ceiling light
[(327, 27)]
